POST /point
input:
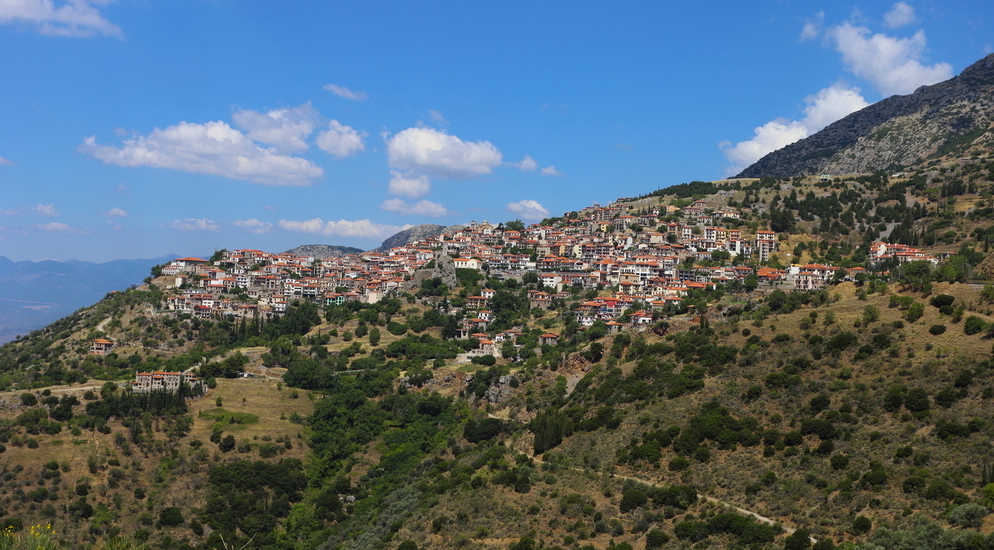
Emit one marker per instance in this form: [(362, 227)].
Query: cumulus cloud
[(342, 91), (195, 224), (812, 27), (341, 141), (363, 229), (550, 171), (437, 153), (831, 104), (823, 108), (254, 225), (56, 227), (900, 14), (893, 65), (212, 148), (284, 129), (409, 184), (528, 209), (420, 208), (114, 213), (79, 18), (527, 164), (5, 162)]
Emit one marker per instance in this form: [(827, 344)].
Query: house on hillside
[(101, 346), (145, 382)]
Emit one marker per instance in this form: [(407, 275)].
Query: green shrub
[(937, 329), (861, 525), (973, 325), (968, 515), (171, 516), (678, 464), (942, 300), (656, 539), (632, 499)]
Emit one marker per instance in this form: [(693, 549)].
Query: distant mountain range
[(946, 120), (34, 294)]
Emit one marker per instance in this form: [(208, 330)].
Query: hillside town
[(608, 249)]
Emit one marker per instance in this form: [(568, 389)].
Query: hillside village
[(637, 254)]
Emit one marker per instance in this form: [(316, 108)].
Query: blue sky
[(133, 129)]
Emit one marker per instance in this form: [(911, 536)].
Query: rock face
[(948, 118), (321, 251), (444, 269), (418, 232)]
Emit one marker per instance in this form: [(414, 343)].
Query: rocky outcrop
[(416, 233), (443, 268), (946, 119)]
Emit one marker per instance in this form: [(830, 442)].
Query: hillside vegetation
[(747, 415)]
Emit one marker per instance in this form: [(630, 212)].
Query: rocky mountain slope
[(948, 119), (417, 232)]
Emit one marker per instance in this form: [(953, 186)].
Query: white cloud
[(56, 227), (892, 65), (73, 18), (900, 14), (211, 148), (123, 189), (420, 208), (45, 210), (284, 129), (437, 153), (342, 91), (550, 171), (48, 210), (409, 184), (528, 209), (823, 108), (5, 162), (254, 225), (527, 164), (341, 141), (363, 229), (812, 27), (831, 104), (437, 116), (195, 224), (114, 213)]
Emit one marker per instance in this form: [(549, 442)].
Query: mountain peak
[(945, 119)]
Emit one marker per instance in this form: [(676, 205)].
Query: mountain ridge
[(417, 232), (897, 132)]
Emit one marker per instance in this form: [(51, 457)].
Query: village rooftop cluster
[(595, 248)]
